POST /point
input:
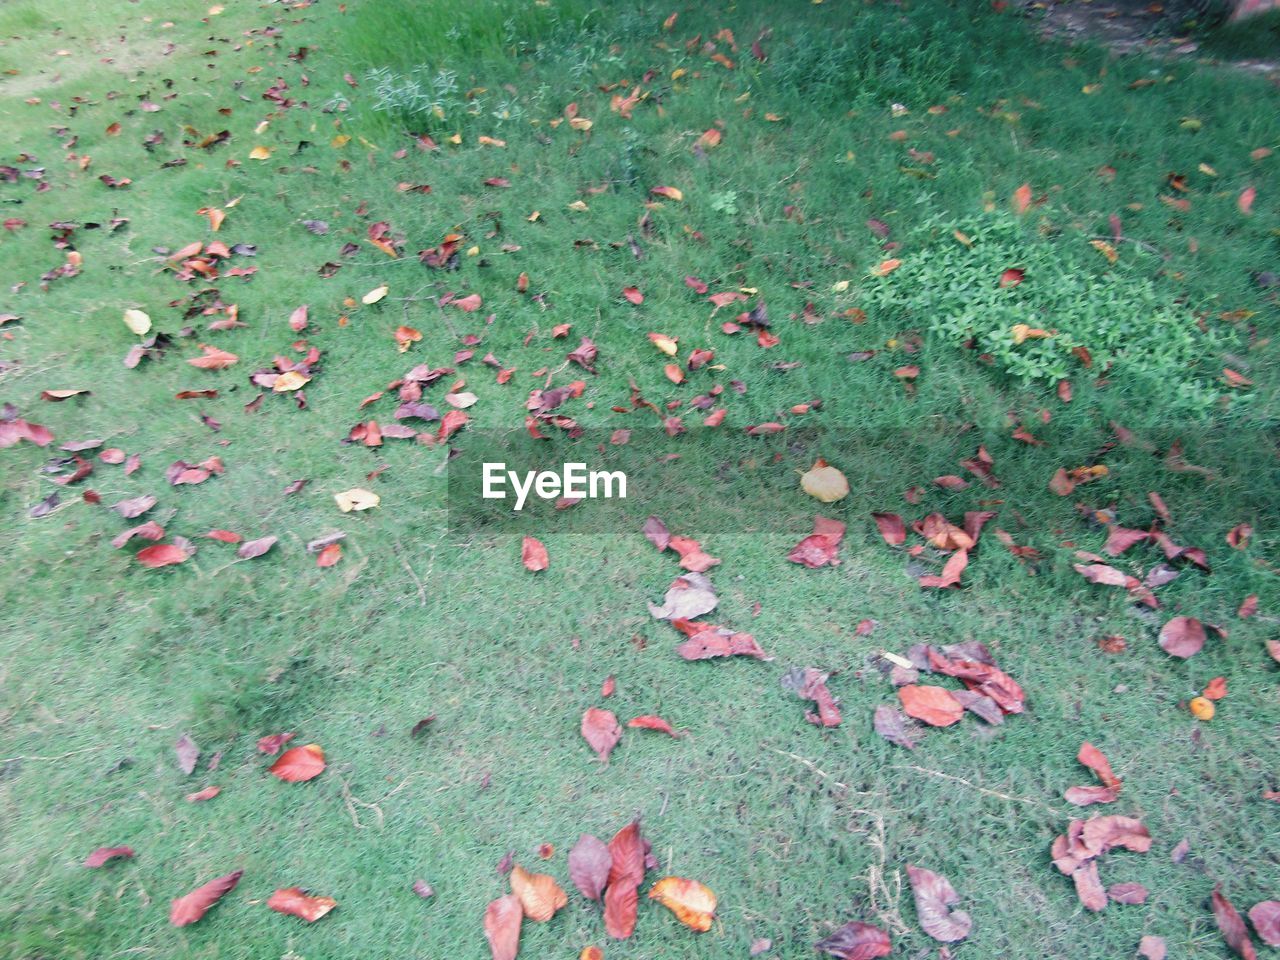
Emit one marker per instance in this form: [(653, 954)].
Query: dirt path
[(1131, 26)]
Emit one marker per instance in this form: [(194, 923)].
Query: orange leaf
[(633, 295), (1245, 201), (213, 359), (934, 705), (300, 763), (329, 555), (296, 902), (469, 304), (1216, 690), (194, 905), (1022, 199), (650, 722), (502, 920), (693, 904), (539, 894), (1095, 760)]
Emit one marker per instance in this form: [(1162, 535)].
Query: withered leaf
[(589, 865), (934, 897), (856, 941)]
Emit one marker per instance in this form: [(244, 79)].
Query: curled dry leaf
[(934, 896), (1182, 637), (255, 548), (693, 903), (298, 903), (856, 941), (601, 731), (300, 763), (502, 919), (539, 894), (189, 909), (105, 854), (1127, 893), (589, 866), (1089, 888), (534, 555), (936, 706), (892, 725)]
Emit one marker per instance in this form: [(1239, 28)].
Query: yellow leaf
[(341, 140), (824, 482), (374, 295), (693, 904), (1207, 170), (260, 153), (579, 206), (290, 380), (1106, 249), (538, 893), (580, 123), (356, 499), (137, 321), (664, 343), (840, 286)]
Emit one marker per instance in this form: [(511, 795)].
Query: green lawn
[(852, 126)]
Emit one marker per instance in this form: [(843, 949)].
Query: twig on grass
[(1031, 801)]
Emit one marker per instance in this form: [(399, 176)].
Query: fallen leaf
[(208, 793), (534, 555), (934, 705), (824, 482), (626, 873), (589, 864), (693, 903), (298, 764), (1232, 927), (1182, 637), (356, 499), (137, 322), (161, 555), (502, 919), (651, 722), (891, 528), (102, 855), (187, 910), (1152, 948), (601, 731), (297, 903), (934, 897), (856, 941), (1265, 917), (890, 723), (539, 894), (188, 754), (255, 548)]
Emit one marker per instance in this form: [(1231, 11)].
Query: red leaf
[(621, 902), (934, 705), (208, 793), (1022, 199), (534, 555), (1248, 607), (226, 536), (934, 896), (633, 295), (589, 866), (161, 555), (300, 763), (1231, 924), (1121, 539), (1216, 690), (103, 854), (1012, 277), (296, 902), (856, 941), (600, 729), (650, 722), (329, 555), (194, 905), (502, 919), (1182, 637), (891, 527), (1245, 200)]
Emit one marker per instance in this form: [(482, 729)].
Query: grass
[(797, 830)]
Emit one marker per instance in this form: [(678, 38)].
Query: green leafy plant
[(1061, 309)]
